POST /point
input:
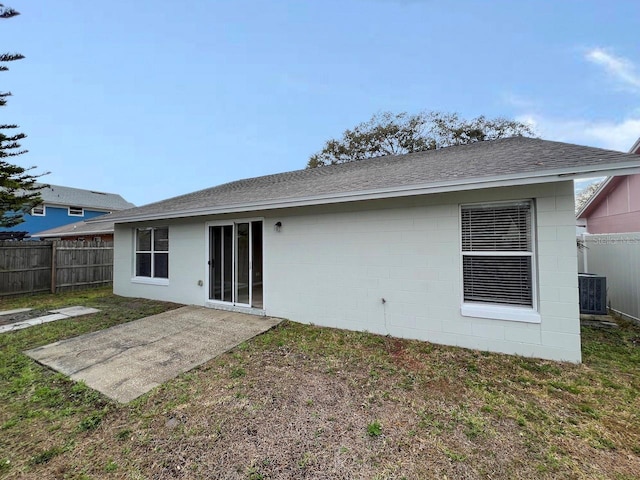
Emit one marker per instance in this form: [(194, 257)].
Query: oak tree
[(389, 133)]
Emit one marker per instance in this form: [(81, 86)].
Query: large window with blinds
[(498, 264)]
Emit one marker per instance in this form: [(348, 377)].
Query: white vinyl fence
[(617, 257)]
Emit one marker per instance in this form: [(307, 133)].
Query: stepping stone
[(598, 321), (59, 314), (13, 312), (75, 311), (598, 324), (30, 323)]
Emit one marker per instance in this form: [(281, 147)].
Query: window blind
[(497, 253), (500, 228), (502, 280)]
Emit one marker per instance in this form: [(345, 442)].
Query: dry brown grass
[(297, 402)]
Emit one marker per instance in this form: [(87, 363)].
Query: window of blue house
[(76, 212), (39, 211)]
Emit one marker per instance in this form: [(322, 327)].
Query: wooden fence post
[(53, 267)]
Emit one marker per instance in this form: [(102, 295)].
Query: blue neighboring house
[(65, 205)]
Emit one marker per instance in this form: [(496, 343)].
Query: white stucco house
[(471, 246)]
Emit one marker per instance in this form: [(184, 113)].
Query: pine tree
[(19, 192)]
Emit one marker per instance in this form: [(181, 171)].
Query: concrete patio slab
[(128, 360)]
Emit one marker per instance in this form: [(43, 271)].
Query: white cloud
[(620, 68), (615, 136), (618, 135), (517, 101)]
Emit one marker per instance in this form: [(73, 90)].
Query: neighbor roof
[(494, 163), (77, 197), (97, 227), (605, 187)]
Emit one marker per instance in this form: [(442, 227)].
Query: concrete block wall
[(187, 263), (334, 265)]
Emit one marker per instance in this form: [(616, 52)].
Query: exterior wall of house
[(334, 265), (55, 216), (187, 263), (619, 210)]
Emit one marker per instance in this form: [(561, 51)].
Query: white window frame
[(81, 214), (151, 280), (35, 214), (499, 311)]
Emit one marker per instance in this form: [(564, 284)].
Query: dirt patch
[(402, 356), (280, 422)]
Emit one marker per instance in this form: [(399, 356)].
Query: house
[(471, 246), (101, 230), (65, 205), (611, 239), (615, 206)]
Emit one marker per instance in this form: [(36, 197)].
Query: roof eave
[(527, 178), (86, 207), (73, 234)]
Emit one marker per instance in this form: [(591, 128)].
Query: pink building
[(615, 207)]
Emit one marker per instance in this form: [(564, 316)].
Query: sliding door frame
[(233, 304)]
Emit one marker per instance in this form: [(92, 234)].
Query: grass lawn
[(308, 402)]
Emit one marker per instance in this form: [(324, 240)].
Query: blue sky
[(153, 99)]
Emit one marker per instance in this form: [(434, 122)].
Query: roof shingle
[(97, 227), (505, 158), (77, 197)]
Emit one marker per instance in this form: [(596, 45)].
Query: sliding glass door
[(235, 263), (221, 263)]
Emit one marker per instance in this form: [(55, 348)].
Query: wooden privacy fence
[(30, 267)]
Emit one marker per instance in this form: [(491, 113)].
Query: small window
[(152, 252), (39, 211), (498, 254), (76, 211)]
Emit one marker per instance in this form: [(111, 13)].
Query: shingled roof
[(510, 161), (77, 197), (98, 227)]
